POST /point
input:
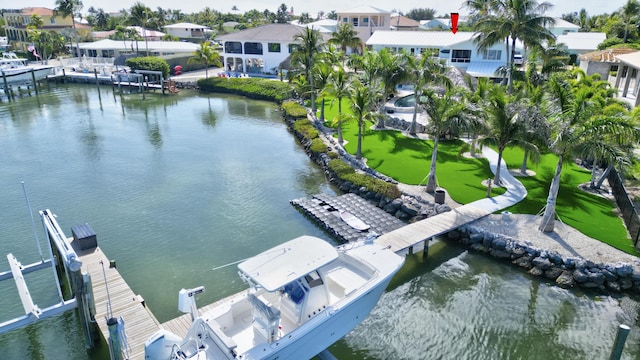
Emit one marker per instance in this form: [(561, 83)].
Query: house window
[(355, 22), (253, 48), (233, 47), (365, 21), (274, 47), (491, 54), (292, 48), (431, 52), (53, 20), (461, 56), (345, 19)]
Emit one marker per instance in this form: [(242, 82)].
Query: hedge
[(151, 63), (305, 127), (346, 173), (254, 88), (294, 110)]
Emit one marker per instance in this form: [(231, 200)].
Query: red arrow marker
[(454, 22)]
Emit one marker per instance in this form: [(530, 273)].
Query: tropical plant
[(575, 125), (425, 72), (206, 55), (308, 45), (448, 115), (66, 8), (338, 89), (363, 100), (322, 73), (505, 126), (346, 37), (512, 20), (140, 15), (629, 11)]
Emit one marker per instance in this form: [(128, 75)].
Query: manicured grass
[(407, 160)]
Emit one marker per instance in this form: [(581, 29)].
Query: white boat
[(15, 70), (303, 296), (353, 221)]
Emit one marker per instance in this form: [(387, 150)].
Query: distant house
[(602, 62), (404, 23), (187, 31), (259, 50), (365, 20), (16, 22), (113, 48), (457, 49), (326, 26), (578, 43), (562, 27), (150, 35), (440, 23)]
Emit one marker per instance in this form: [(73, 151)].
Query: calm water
[(174, 186)]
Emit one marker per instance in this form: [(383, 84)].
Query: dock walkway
[(405, 238), (140, 323)]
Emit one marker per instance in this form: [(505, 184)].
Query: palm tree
[(322, 73), (66, 8), (629, 11), (338, 88), (309, 45), (448, 114), (206, 55), (475, 97), (424, 72), (514, 20), (346, 37), (363, 99), (140, 15), (505, 126), (391, 72)]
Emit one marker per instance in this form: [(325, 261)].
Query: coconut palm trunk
[(523, 167), (548, 218), (414, 120), (432, 182), (594, 169), (497, 180)]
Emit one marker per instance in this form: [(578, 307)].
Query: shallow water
[(176, 185)]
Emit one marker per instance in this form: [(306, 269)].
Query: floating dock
[(324, 210)]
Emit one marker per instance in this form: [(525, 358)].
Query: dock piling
[(618, 343)]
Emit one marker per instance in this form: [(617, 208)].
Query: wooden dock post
[(35, 83), (6, 85), (64, 76)]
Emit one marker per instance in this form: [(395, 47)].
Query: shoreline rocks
[(564, 271)]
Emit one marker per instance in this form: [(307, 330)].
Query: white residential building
[(457, 49), (113, 48), (187, 30), (259, 50), (365, 20), (581, 42), (562, 27)]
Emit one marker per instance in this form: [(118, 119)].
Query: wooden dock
[(403, 240), (140, 323)]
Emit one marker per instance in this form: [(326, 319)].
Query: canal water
[(175, 186)]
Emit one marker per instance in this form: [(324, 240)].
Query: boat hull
[(323, 330), (24, 75)]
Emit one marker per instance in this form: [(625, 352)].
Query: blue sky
[(593, 7)]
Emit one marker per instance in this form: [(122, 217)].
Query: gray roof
[(269, 32), (185, 26), (581, 40)]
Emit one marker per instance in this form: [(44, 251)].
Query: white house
[(581, 42), (259, 50), (113, 48), (187, 30), (365, 20), (326, 26), (457, 49), (562, 27)]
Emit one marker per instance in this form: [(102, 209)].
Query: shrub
[(150, 63), (254, 88), (305, 128), (318, 146), (294, 110), (346, 173)]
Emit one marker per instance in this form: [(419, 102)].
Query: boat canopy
[(285, 263)]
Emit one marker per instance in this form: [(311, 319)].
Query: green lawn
[(408, 160)]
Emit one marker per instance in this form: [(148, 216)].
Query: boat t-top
[(303, 296)]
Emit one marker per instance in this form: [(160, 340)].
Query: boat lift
[(72, 268)]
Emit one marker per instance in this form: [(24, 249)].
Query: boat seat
[(217, 330)]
